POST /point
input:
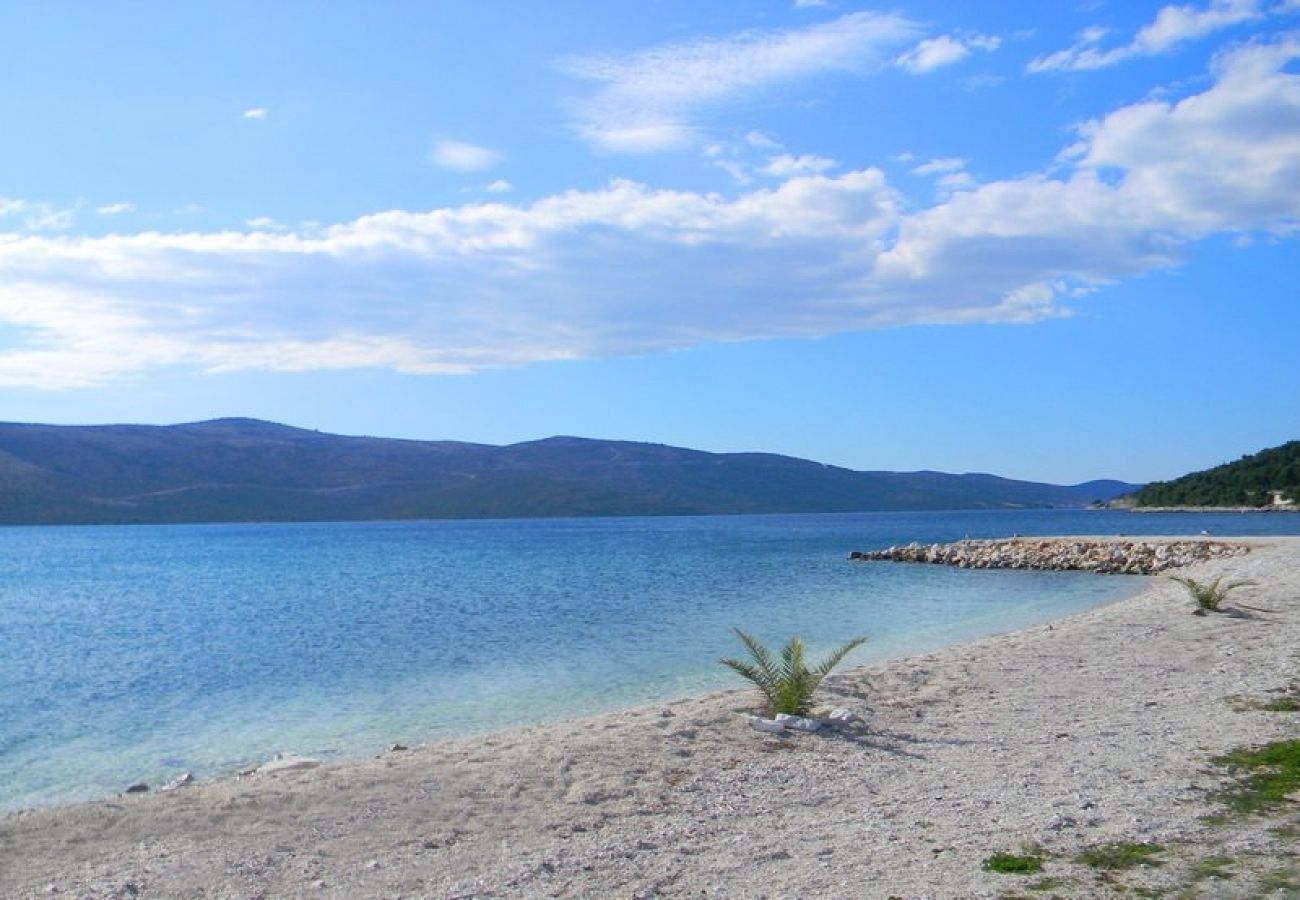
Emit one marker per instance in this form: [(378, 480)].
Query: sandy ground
[(1097, 728)]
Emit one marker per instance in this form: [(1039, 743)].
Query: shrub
[(788, 686), (1208, 595)]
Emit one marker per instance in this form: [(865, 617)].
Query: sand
[(1093, 729)]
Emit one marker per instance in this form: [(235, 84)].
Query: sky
[(1049, 241)]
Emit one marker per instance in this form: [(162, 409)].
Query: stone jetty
[(1116, 556)]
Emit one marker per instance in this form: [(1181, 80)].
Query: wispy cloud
[(941, 166), (632, 269), (1172, 26), (646, 102), (115, 209), (265, 223), (935, 53), (461, 156), (37, 216), (786, 165), (256, 113), (499, 186)]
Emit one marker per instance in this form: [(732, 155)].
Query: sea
[(137, 653)]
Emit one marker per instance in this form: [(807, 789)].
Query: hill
[(1249, 481), (249, 470)]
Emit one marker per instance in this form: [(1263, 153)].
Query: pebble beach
[(1092, 731)]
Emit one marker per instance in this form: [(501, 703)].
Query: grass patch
[(1013, 864), (1288, 702), (1268, 774), (1279, 880), (1120, 855), (1048, 883), (1287, 832), (1213, 867), (1281, 704)]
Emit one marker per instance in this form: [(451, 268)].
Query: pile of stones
[(1105, 557)]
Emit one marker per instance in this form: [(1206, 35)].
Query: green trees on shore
[(1250, 481)]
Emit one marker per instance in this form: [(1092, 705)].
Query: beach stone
[(179, 782), (769, 726), (798, 723), (138, 788), (287, 762)]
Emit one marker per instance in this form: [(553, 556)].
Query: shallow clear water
[(139, 652)]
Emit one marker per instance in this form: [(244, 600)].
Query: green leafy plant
[(787, 685), (1209, 594), (1013, 864)]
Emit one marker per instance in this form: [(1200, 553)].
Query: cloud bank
[(631, 269)]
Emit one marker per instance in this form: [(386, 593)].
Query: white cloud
[(463, 157), (265, 223), (256, 113), (37, 216), (630, 269), (765, 141), (499, 186), (645, 102), (940, 166), (934, 53), (115, 209), (1144, 180), (1172, 26), (785, 165)]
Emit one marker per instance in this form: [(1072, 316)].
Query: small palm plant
[(788, 686), (1209, 594)]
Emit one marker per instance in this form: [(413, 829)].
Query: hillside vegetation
[(230, 470), (1249, 481)]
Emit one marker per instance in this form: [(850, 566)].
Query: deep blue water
[(139, 652)]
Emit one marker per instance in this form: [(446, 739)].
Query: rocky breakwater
[(1105, 557)]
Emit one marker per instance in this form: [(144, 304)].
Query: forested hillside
[(1249, 481)]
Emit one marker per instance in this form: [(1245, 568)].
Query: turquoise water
[(139, 652)]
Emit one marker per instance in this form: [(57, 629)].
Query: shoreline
[(681, 796)]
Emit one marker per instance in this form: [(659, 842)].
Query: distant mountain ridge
[(250, 470)]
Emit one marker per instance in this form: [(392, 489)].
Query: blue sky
[(1051, 241)]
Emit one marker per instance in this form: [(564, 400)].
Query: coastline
[(1094, 727)]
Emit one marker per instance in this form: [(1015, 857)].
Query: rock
[(842, 715), (1104, 557), (287, 762), (798, 723), (770, 726), (179, 782), (397, 748), (138, 788)]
